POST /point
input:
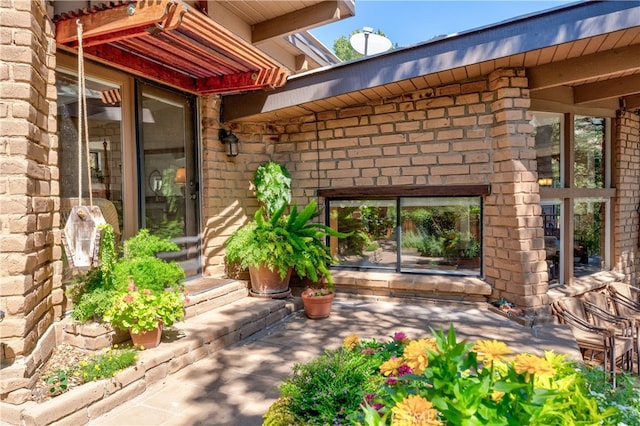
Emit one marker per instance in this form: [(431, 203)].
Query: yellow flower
[(531, 364), (492, 350), (115, 346), (390, 367), (497, 395), (416, 356), (414, 410), (351, 341), (76, 373)]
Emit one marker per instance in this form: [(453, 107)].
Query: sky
[(407, 23)]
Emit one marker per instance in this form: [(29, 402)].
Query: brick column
[(626, 180), (30, 253), (514, 238)]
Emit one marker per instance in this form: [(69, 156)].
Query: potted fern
[(281, 239), (273, 248), (257, 245)]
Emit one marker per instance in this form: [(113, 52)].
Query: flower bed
[(440, 380)]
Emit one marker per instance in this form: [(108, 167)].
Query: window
[(409, 234), (574, 178)]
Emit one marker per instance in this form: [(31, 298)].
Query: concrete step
[(199, 336), (205, 294)]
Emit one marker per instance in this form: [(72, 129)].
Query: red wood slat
[(170, 42), (141, 66)]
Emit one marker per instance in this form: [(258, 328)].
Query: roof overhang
[(592, 48), (170, 42)]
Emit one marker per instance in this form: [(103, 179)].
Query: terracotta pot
[(267, 283), (317, 306), (147, 338)]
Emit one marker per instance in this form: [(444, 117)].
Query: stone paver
[(236, 385)]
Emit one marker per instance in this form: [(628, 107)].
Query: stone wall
[(30, 253), (626, 179)]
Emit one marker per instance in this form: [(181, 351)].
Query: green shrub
[(91, 293), (324, 390)]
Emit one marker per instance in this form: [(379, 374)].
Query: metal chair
[(593, 339), (601, 311)]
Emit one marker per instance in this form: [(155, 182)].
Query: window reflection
[(588, 236), (435, 234), (589, 134), (372, 243), (548, 133)]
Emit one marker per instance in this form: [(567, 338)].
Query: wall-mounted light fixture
[(545, 181), (230, 142)]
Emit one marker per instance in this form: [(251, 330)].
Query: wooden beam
[(632, 102), (584, 67), (118, 19), (405, 191), (614, 88), (228, 83), (302, 63), (309, 17)]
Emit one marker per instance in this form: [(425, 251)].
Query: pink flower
[(404, 369), (399, 336), (128, 298), (146, 291), (391, 381)]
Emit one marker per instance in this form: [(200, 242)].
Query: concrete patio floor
[(236, 385)]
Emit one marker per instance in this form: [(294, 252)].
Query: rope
[(83, 121)]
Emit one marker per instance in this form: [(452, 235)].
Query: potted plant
[(145, 312), (312, 267), (256, 245), (275, 243), (146, 292), (279, 245)]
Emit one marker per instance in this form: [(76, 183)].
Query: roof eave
[(571, 23)]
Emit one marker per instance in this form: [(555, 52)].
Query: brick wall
[(626, 179), (30, 277), (472, 132), (227, 198)]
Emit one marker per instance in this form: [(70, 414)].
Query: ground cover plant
[(444, 381), (72, 367)]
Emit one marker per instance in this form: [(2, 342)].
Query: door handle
[(194, 187)]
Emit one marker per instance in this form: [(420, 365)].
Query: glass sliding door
[(168, 181)]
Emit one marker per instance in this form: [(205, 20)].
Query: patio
[(237, 384)]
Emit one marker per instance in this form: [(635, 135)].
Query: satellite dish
[(367, 43)]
